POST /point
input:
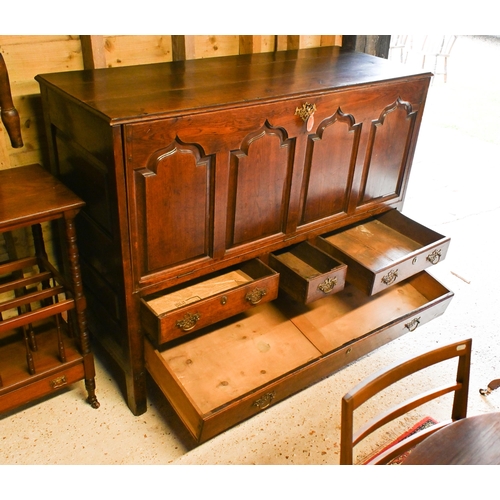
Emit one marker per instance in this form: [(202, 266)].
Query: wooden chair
[(387, 377)]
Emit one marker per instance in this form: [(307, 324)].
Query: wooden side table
[(44, 343)]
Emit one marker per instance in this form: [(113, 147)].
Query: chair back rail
[(389, 376)]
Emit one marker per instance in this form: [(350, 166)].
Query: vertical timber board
[(376, 45), (93, 51)]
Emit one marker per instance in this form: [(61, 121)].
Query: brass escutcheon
[(435, 256), (255, 296), (328, 285), (265, 400), (58, 382), (412, 325), (188, 322), (390, 277), (306, 111), (223, 300)]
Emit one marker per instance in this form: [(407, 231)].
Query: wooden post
[(93, 51), (288, 42), (376, 45), (183, 47), (329, 40), (250, 44)]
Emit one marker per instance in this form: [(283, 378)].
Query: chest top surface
[(145, 92)]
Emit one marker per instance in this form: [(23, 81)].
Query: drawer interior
[(306, 260), (196, 292), (380, 241), (246, 352), (351, 314)]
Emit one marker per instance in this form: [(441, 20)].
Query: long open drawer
[(230, 372)]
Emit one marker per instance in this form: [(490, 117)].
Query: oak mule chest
[(243, 236)]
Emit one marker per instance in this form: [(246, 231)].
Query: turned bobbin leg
[(80, 306)]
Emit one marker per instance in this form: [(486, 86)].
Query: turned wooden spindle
[(9, 114)]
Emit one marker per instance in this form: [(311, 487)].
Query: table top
[(29, 194), (469, 441)]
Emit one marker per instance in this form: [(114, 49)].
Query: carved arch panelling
[(259, 185), (387, 153), (329, 167), (174, 206)]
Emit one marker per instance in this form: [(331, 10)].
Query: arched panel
[(174, 205), (259, 186), (329, 167), (387, 152)]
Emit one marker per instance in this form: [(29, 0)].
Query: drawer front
[(208, 301), (385, 250), (307, 273), (415, 263)]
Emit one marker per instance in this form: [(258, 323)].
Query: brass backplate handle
[(435, 256), (306, 112), (265, 400), (390, 277), (188, 322), (58, 382), (328, 285), (256, 295), (412, 325)]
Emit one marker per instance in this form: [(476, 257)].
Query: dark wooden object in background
[(471, 441), (194, 167), (10, 116)]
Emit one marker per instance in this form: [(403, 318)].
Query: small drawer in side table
[(307, 273), (384, 250), (173, 313)]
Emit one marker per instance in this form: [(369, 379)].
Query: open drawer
[(229, 374), (249, 362), (180, 310), (307, 273), (384, 250)]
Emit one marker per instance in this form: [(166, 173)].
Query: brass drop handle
[(306, 112), (256, 295), (435, 256), (390, 277), (188, 322), (328, 285), (58, 382), (412, 325), (264, 401)]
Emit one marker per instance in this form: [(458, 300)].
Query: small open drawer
[(307, 273), (384, 250), (173, 313)]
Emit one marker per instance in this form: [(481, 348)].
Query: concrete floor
[(454, 190)]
